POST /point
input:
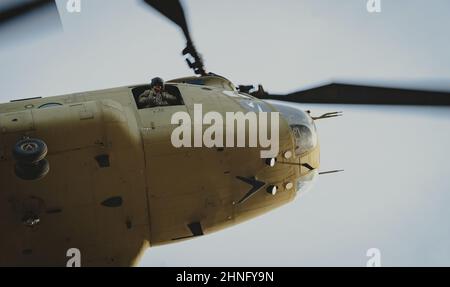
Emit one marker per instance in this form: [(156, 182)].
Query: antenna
[(328, 115), (331, 171)]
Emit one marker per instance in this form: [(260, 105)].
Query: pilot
[(155, 96)]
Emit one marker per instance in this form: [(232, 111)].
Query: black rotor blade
[(362, 95), (21, 9), (173, 10)]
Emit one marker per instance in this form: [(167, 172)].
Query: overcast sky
[(395, 191)]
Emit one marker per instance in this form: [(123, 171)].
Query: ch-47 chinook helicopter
[(96, 172)]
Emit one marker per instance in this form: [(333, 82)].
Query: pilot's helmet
[(157, 82)]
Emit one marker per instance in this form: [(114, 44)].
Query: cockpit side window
[(172, 96)]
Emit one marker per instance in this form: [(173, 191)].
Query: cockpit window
[(305, 182), (174, 98), (302, 126), (304, 138)]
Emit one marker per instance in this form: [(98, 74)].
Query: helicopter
[(81, 169)]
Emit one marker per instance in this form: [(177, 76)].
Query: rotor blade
[(362, 95), (11, 12), (173, 10)]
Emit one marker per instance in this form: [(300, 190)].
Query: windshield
[(305, 182), (302, 126)]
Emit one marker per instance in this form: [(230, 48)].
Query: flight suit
[(150, 98)]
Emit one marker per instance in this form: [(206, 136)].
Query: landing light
[(287, 154), (272, 189), (271, 161), (289, 185)]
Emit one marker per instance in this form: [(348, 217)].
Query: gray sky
[(394, 193)]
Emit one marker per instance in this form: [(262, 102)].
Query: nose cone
[(306, 149)]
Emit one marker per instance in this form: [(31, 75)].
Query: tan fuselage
[(163, 190)]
